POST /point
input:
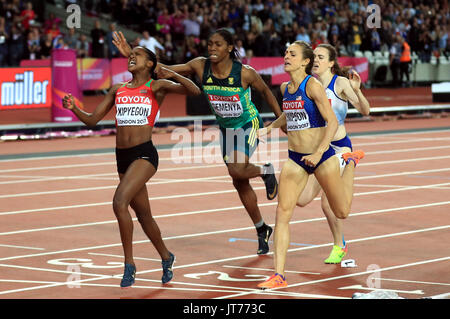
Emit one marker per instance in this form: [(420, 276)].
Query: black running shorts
[(126, 156)]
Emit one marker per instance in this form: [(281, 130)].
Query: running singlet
[(136, 106), (229, 102), (340, 107), (301, 112)]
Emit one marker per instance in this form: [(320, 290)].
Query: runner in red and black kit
[(137, 108)]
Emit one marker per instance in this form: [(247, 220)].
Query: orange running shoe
[(275, 281), (355, 156)]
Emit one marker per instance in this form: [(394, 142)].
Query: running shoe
[(167, 269), (275, 281), (355, 156), (128, 276), (270, 181), (336, 255), (263, 240)]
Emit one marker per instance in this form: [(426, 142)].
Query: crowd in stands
[(178, 29)]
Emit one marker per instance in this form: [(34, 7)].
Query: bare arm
[(195, 66), (91, 119), (351, 90), (253, 79), (184, 85)]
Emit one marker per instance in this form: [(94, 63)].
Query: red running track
[(59, 237)]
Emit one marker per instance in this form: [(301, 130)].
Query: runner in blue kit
[(311, 126), (341, 88)]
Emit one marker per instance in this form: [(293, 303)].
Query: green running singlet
[(229, 102)]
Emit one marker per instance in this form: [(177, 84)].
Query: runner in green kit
[(226, 82)]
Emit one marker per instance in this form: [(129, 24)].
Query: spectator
[(4, 37), (82, 47), (287, 16), (405, 61), (303, 36), (356, 33), (27, 15), (191, 25), (34, 45), (150, 42), (178, 27), (394, 61), (169, 53), (54, 30), (70, 39), (375, 40), (165, 20), (98, 41), (46, 46), (190, 49), (16, 45), (113, 52), (240, 49), (51, 21)]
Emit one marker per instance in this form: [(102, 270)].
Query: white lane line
[(415, 282), (214, 210), (206, 287), (423, 262), (272, 270), (233, 190), (121, 256), (253, 256), (114, 177), (21, 247)]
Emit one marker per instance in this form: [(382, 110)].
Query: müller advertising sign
[(23, 88)]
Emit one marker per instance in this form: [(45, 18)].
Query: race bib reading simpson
[(226, 106), (296, 115)]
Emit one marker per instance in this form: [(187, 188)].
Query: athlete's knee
[(283, 214), (240, 183), (236, 171), (120, 204), (302, 202), (144, 218), (341, 213)]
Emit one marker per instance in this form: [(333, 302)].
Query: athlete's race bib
[(134, 110), (226, 106), (296, 115)]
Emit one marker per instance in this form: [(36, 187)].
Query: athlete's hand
[(68, 102), (164, 73), (121, 43), (263, 132), (355, 80), (312, 159)]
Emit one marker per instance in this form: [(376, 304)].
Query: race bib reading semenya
[(226, 106)]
